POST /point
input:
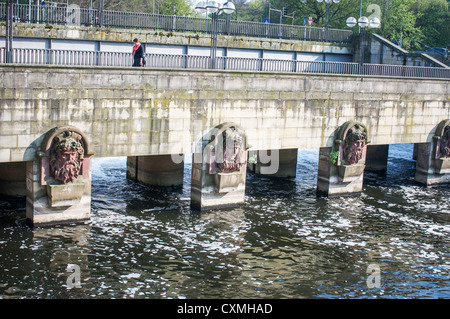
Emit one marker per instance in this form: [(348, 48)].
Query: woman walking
[(138, 53)]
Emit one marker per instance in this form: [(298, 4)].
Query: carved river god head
[(445, 143), (66, 157), (233, 151), (354, 144)]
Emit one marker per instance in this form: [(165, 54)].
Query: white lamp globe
[(200, 7), (351, 22), (212, 6), (228, 7), (363, 22), (374, 23)]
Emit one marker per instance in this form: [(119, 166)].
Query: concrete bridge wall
[(130, 112)]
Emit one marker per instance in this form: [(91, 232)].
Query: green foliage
[(333, 157), (434, 21), (426, 21), (400, 23)]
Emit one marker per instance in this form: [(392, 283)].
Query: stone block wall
[(382, 51), (135, 112)]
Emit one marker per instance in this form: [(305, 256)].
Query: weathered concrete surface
[(155, 170), (382, 51), (134, 112), (329, 181), (427, 167)]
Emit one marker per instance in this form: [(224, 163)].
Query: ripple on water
[(284, 242)]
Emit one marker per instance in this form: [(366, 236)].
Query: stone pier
[(341, 167), (377, 158), (219, 168), (433, 158), (58, 182), (12, 179), (156, 170), (273, 163)]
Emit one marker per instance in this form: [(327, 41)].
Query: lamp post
[(327, 14), (363, 22), (9, 31), (215, 9), (101, 7)]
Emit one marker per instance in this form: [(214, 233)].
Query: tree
[(255, 10), (183, 8), (434, 22), (400, 23), (241, 9)]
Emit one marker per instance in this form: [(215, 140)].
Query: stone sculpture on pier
[(433, 157), (341, 167), (219, 172), (59, 180)]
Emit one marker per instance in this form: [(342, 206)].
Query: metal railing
[(108, 18), (121, 59)]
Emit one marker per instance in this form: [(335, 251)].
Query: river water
[(391, 241)]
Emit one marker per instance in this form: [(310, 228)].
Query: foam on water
[(284, 242)]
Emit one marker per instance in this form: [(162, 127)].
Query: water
[(284, 242)]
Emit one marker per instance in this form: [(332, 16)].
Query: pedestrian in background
[(138, 53)]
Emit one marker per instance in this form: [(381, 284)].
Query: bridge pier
[(341, 167), (377, 158), (12, 179), (219, 171), (58, 182), (156, 170), (273, 163), (433, 158)]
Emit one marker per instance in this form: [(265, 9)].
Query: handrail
[(109, 18), (121, 59)]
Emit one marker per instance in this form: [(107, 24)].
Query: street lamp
[(215, 9), (363, 22), (327, 15)]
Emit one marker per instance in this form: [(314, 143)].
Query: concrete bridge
[(53, 119)]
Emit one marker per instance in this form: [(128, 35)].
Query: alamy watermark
[(374, 278), (74, 279), (269, 158), (73, 17)]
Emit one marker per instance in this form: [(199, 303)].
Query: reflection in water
[(284, 242)]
